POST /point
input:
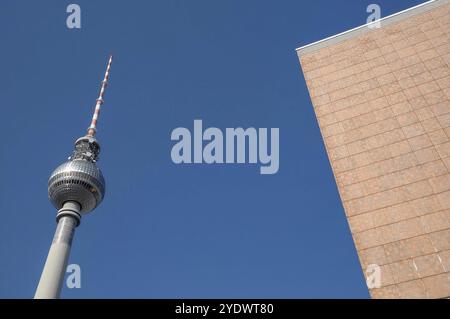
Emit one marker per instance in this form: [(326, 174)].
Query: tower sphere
[(78, 179)]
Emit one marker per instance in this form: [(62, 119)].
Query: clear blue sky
[(167, 230)]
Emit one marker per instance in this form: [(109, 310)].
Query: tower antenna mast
[(93, 127)]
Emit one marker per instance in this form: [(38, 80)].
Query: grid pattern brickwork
[(382, 100)]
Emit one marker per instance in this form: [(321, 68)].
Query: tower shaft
[(55, 266)]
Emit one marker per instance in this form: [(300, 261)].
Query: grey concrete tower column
[(52, 276)]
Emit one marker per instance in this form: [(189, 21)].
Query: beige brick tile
[(441, 240), (377, 62), (381, 70), (399, 148), (395, 251), (440, 73), (426, 205), (344, 114), (379, 140), (382, 114), (387, 277), (376, 185), (418, 103), (444, 120), (444, 83), (443, 149), (437, 286), (384, 216), (422, 78), (424, 113), (352, 191), (389, 292), (440, 183), (412, 62), (417, 38), (428, 87), (431, 125), (443, 49), (409, 87), (407, 51), (421, 141), (366, 239), (356, 147), (327, 119), (401, 107), (428, 54), (447, 162), (400, 97), (386, 79), (444, 257), (334, 141), (426, 155), (435, 221), (400, 162), (386, 48), (401, 74), (379, 127), (338, 152), (446, 59), (318, 91), (447, 131), (396, 213), (404, 271), (374, 237), (414, 289), (374, 255), (434, 33), (428, 265), (406, 119), (343, 165), (350, 177), (408, 228), (351, 136), (417, 190), (403, 177), (418, 246), (428, 25), (438, 137), (395, 87), (432, 64), (422, 46), (433, 169), (416, 68), (435, 98), (366, 85), (444, 199), (358, 121), (361, 159), (349, 124), (323, 110), (373, 94)]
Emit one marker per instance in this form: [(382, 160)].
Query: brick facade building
[(382, 101)]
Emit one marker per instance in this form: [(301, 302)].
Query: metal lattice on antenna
[(93, 127)]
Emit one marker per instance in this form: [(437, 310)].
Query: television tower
[(75, 188)]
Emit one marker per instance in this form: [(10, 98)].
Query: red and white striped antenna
[(93, 127)]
